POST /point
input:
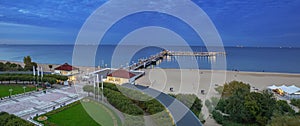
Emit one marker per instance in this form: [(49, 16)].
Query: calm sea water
[(286, 60)]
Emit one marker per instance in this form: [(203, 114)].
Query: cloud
[(23, 11)]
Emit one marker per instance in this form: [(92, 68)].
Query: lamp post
[(10, 90), (24, 89)]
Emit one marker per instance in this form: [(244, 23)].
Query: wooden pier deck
[(144, 63)]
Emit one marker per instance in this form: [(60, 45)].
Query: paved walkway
[(26, 106), (182, 116)]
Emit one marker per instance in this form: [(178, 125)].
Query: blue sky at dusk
[(239, 22)]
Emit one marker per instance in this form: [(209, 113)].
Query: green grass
[(76, 115), (102, 114), (17, 89)]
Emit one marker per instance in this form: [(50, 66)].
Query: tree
[(28, 63), (219, 89), (283, 107), (230, 88), (296, 102), (27, 60), (2, 66), (235, 106), (50, 67)]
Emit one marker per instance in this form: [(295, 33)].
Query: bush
[(12, 120), (218, 116), (10, 67), (122, 103), (296, 102), (191, 101)]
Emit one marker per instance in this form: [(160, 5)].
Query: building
[(290, 92), (120, 77), (117, 76), (67, 70)]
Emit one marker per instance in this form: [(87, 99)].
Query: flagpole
[(94, 87), (98, 86), (42, 74), (102, 87), (38, 74), (34, 80)]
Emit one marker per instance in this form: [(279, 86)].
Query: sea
[(253, 59)]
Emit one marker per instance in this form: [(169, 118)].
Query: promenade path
[(182, 116)]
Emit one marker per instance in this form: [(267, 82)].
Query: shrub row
[(133, 102), (52, 79), (122, 103)]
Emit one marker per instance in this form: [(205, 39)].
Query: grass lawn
[(102, 114), (17, 89), (76, 115)]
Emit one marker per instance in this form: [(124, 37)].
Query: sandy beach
[(193, 80)]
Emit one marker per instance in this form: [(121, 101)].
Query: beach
[(193, 80)]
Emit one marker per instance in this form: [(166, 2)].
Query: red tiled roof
[(66, 67), (121, 74)]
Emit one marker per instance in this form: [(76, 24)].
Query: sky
[(258, 23)]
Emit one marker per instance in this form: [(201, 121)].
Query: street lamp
[(10, 90), (24, 89)]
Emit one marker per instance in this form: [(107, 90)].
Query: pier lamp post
[(10, 90), (24, 89)]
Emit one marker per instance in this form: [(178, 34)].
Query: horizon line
[(65, 44)]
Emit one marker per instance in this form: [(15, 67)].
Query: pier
[(202, 54), (144, 63)]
